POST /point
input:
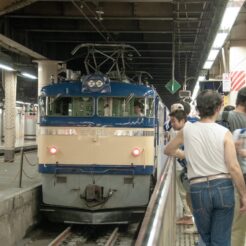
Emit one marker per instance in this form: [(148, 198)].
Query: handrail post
[(158, 227), (21, 167)]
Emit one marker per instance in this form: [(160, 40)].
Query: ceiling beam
[(13, 46), (152, 18), (15, 6), (191, 31), (114, 1), (102, 42)]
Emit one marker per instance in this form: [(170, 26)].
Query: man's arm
[(172, 147), (234, 168)]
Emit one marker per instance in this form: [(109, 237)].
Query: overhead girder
[(55, 27)]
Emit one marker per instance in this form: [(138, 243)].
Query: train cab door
[(156, 136), (159, 138)]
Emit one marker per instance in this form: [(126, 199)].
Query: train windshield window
[(125, 106), (70, 106)]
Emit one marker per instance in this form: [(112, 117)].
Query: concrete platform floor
[(182, 238), (10, 180), (26, 144), (10, 171)]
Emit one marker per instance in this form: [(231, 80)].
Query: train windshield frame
[(108, 106), (84, 106)]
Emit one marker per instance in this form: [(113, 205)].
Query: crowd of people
[(211, 167)]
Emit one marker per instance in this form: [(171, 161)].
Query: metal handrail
[(158, 226)]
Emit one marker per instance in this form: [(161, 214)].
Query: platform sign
[(184, 94), (226, 82), (215, 85), (172, 86)]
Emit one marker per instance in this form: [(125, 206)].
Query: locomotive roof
[(117, 89)]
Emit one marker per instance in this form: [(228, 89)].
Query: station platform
[(19, 201), (10, 171), (15, 200), (26, 144), (182, 237)]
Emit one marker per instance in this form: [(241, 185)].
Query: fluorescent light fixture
[(201, 78), (229, 17), (219, 40), (28, 75), (231, 12), (5, 67), (208, 64), (196, 89), (212, 54)]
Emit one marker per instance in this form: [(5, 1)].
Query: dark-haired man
[(237, 120), (138, 109), (177, 120), (237, 117), (212, 165)]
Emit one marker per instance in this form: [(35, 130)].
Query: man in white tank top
[(212, 165)]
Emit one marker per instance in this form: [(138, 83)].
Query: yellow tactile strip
[(183, 239)]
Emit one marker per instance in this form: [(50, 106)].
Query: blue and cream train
[(98, 159)]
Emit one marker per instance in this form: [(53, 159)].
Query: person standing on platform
[(178, 118), (236, 121), (212, 165), (183, 185)]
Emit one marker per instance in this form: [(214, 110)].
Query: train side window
[(42, 105), (150, 107), (138, 107)]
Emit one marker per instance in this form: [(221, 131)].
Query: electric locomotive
[(98, 156)]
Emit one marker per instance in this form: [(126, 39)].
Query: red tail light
[(136, 152), (53, 150)]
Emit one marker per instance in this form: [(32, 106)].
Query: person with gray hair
[(212, 166)]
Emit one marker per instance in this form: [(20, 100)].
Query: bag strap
[(225, 115), (243, 130)]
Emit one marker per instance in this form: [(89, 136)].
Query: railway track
[(76, 235), (97, 237)]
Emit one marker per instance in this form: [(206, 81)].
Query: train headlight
[(53, 150), (99, 83), (136, 151), (91, 83), (96, 82)]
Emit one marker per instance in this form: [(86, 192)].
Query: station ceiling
[(173, 36)]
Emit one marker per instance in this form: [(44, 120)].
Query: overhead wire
[(88, 19), (109, 36)]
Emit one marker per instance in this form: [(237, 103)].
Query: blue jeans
[(213, 207)]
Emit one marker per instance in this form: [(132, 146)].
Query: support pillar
[(9, 119), (47, 71)]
